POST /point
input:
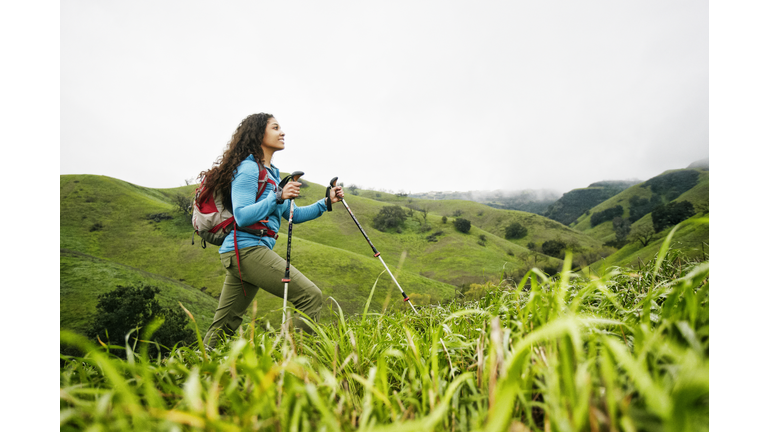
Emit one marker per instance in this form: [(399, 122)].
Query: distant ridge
[(701, 164)]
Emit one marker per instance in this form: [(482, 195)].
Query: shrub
[(445, 219), (515, 230), (462, 225), (157, 217), (183, 204), (433, 237), (123, 309), (96, 227), (553, 248), (389, 217), (482, 240)]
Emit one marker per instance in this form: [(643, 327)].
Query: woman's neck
[(267, 157)]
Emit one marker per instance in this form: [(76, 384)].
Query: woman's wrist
[(279, 195)]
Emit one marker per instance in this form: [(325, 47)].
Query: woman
[(257, 138)]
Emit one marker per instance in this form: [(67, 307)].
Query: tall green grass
[(624, 351)]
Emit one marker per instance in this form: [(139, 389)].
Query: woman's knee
[(310, 299)]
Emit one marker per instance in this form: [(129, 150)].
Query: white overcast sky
[(404, 96)]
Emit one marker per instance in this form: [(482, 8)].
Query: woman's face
[(274, 137)]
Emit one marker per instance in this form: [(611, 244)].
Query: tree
[(515, 230), (462, 225), (445, 219), (553, 247), (183, 203), (353, 189), (671, 214), (622, 228), (126, 308), (643, 233), (389, 217)]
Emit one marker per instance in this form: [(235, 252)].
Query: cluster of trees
[(673, 184), (671, 214), (606, 215), (639, 207), (127, 308)]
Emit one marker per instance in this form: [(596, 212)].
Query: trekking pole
[(293, 177), (376, 253)]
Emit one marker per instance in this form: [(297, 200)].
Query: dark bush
[(126, 308), (671, 214), (157, 217), (551, 270), (389, 217), (433, 237), (553, 248), (96, 227), (462, 225), (515, 230), (445, 219)]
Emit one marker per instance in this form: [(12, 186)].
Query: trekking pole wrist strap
[(328, 203)]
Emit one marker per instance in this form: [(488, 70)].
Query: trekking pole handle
[(293, 177)]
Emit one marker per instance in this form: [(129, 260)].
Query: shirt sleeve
[(305, 213), (244, 188)]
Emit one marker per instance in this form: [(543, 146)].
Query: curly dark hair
[(245, 141)]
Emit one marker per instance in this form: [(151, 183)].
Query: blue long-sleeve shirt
[(248, 211)]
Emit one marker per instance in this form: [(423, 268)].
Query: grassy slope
[(492, 220), (83, 277), (698, 195), (329, 250), (163, 250), (690, 239)]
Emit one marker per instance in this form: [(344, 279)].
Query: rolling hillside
[(114, 232), (690, 184), (574, 203)]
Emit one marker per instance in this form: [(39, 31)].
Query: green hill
[(690, 184), (111, 227), (83, 277), (696, 191), (574, 203)]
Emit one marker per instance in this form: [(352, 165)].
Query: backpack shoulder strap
[(263, 179)]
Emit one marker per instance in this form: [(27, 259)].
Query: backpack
[(213, 220)]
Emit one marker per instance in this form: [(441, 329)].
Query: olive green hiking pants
[(263, 269)]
